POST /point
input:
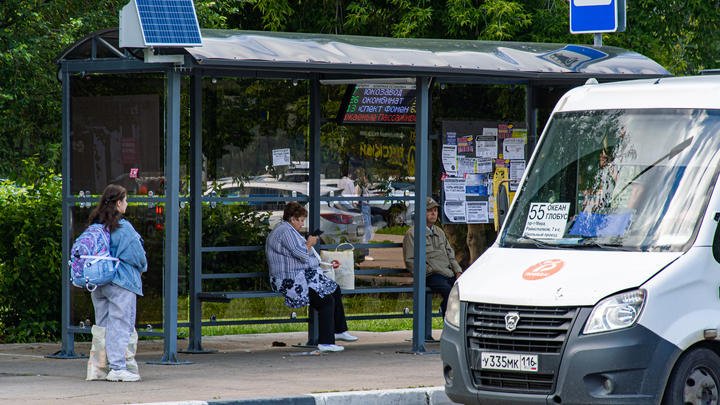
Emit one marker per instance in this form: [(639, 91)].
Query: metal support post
[(314, 121), (195, 314), (531, 116), (68, 337), (422, 135), (172, 220)]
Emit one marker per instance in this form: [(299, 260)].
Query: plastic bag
[(343, 262), (98, 367)]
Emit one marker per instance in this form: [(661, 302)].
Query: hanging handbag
[(343, 263)]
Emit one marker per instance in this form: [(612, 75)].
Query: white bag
[(343, 262), (98, 367)]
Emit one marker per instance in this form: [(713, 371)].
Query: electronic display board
[(379, 104)]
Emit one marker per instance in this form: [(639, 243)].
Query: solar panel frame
[(169, 23)]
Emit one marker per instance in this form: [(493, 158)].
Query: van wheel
[(694, 379)]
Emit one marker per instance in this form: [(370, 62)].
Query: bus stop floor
[(244, 366)]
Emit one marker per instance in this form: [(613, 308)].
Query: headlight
[(616, 312), (452, 314)]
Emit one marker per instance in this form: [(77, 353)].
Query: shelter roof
[(360, 55)]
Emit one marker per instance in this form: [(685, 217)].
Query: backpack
[(90, 261)]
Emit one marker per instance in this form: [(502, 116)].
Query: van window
[(618, 179)]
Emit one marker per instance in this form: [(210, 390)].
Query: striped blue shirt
[(292, 268)]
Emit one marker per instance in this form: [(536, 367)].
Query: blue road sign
[(596, 16)]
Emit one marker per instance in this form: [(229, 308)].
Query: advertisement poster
[(455, 211), (454, 189), (476, 185), (513, 148), (465, 144), (449, 159), (477, 212), (486, 146)]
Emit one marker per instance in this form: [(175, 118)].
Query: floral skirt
[(295, 290)]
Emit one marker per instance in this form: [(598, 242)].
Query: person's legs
[(340, 324), (441, 285), (120, 322), (325, 307), (102, 306), (365, 208)]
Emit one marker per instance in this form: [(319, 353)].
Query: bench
[(227, 296)]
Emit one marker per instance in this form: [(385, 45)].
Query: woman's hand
[(311, 241)]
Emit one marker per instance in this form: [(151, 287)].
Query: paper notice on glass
[(546, 220), (517, 168), (513, 148), (455, 211), (451, 138), (484, 165), (476, 184), (466, 165), (477, 212), (454, 189), (520, 133), (486, 146), (281, 157), (449, 158)]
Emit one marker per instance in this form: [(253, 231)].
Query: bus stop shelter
[(545, 70)]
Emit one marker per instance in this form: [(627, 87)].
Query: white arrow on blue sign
[(596, 16)]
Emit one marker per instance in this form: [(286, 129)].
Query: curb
[(410, 396)]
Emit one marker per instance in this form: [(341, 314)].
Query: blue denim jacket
[(127, 245)]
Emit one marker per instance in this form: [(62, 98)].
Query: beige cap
[(431, 203)]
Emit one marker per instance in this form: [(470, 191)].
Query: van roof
[(667, 92)]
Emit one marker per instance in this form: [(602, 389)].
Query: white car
[(337, 224)]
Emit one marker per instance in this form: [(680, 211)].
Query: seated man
[(441, 268)]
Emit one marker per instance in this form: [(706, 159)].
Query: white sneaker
[(330, 348), (122, 375), (345, 336), (369, 258)]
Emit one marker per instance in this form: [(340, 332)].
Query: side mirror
[(503, 205), (716, 239)]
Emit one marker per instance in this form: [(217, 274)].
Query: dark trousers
[(331, 315), (442, 285)]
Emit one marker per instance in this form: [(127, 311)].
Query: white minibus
[(603, 286)]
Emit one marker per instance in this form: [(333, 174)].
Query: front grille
[(515, 380), (540, 330)]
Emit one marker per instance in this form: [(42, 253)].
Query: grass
[(394, 230), (150, 311)]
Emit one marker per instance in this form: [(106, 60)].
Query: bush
[(30, 256)]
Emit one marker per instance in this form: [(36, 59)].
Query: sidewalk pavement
[(247, 369)]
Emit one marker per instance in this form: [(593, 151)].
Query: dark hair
[(294, 210), (345, 172), (106, 212)]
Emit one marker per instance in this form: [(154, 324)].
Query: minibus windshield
[(635, 180)]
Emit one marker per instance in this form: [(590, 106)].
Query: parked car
[(338, 225)]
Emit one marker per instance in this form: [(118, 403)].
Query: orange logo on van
[(543, 269)]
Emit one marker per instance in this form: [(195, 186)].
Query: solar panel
[(163, 23)]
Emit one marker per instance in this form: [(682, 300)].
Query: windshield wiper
[(608, 246)]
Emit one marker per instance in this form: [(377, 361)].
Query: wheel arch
[(713, 345)]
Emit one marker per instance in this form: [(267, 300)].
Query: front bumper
[(634, 363)]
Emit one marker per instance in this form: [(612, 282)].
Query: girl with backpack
[(115, 302)]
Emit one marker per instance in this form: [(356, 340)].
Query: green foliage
[(234, 224), (395, 230), (30, 255)]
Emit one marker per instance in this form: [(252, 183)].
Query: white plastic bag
[(98, 367), (343, 262)]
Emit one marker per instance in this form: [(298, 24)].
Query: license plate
[(509, 361)]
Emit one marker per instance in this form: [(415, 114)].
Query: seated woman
[(296, 274)]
